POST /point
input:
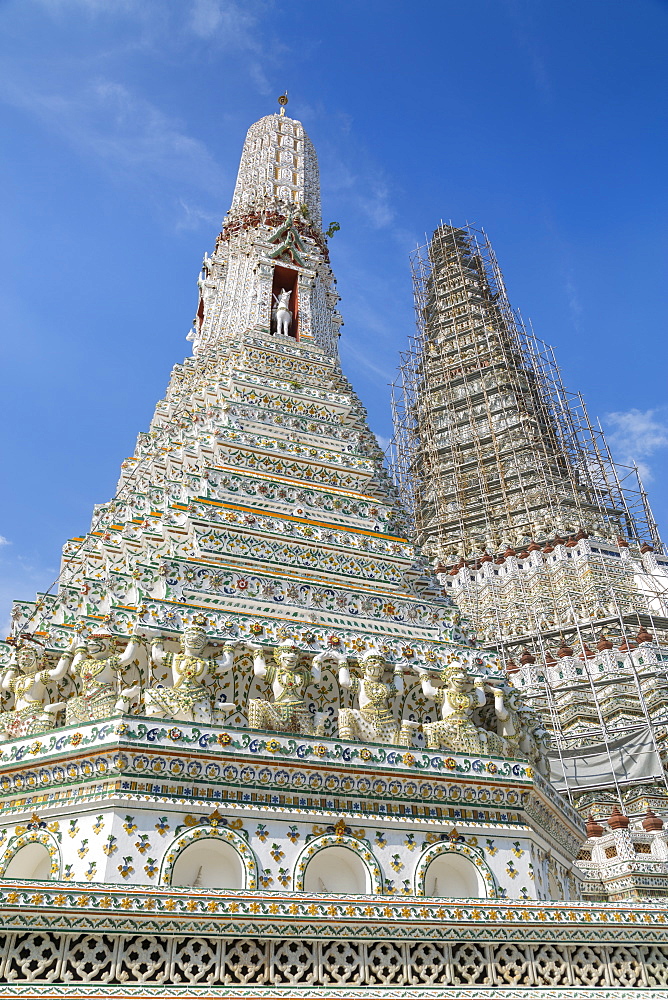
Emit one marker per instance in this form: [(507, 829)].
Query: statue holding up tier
[(536, 741), (520, 729), (288, 713), (373, 720), (508, 734), (459, 697), (27, 679), (188, 699), (98, 672)]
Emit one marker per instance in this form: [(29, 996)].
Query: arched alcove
[(451, 874), (210, 864), (31, 861), (337, 869)]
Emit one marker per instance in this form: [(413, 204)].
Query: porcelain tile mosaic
[(250, 745)]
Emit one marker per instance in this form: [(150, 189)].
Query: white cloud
[(383, 442), (366, 186), (223, 20), (375, 202), (230, 25), (158, 25), (87, 6), (123, 131), (193, 216), (132, 141), (636, 435), (260, 78), (148, 22), (4, 541), (130, 137), (574, 301), (356, 357), (528, 40)]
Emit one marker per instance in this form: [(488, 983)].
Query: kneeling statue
[(458, 698), (27, 679), (99, 673), (188, 699), (288, 713), (374, 720)]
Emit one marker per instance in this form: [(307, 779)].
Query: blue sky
[(123, 123)]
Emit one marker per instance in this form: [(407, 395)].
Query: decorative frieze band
[(163, 960)]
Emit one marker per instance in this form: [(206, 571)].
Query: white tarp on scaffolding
[(632, 758)]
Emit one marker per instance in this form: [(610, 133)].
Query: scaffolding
[(540, 537), (480, 404)]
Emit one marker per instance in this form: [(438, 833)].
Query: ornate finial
[(283, 100)]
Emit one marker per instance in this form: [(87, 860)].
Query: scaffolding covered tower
[(492, 451), (547, 545)]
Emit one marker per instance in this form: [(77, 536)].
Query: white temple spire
[(278, 168), (271, 260)]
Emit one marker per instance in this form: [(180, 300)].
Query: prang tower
[(248, 744), (548, 547)]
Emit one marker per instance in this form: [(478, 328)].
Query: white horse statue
[(282, 313)]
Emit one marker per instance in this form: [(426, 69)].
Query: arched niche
[(218, 858), (336, 869), (454, 872), (338, 864), (31, 861), (209, 864)]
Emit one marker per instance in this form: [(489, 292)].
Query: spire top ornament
[(283, 100)]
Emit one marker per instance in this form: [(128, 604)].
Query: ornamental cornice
[(295, 389), (132, 730), (555, 830), (263, 488), (247, 770), (232, 542), (296, 350), (235, 614), (260, 444), (270, 519), (114, 909), (306, 265), (306, 468)]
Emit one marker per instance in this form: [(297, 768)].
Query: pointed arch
[(462, 862), (26, 847), (219, 835), (361, 849)]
